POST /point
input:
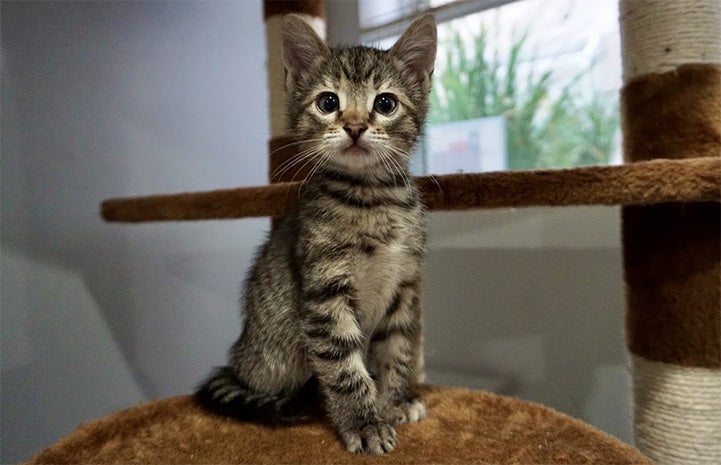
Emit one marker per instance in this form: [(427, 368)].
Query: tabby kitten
[(333, 299)]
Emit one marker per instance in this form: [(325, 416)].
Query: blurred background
[(109, 99)]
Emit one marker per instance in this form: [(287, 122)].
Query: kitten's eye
[(328, 102), (385, 104)]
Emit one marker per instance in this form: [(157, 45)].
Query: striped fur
[(333, 299)]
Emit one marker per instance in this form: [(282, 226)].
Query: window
[(525, 84)]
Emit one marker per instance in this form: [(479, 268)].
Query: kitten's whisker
[(395, 168), (404, 174), (429, 141), (407, 155), (298, 158), (383, 158), (397, 151), (392, 167), (406, 182), (290, 164), (321, 161), (317, 153), (435, 181), (317, 139), (279, 173), (310, 158)]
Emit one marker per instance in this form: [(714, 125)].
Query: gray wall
[(130, 98), (113, 99), (529, 303)]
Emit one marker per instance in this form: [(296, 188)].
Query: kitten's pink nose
[(355, 130)]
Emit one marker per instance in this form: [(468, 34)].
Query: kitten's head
[(358, 109)]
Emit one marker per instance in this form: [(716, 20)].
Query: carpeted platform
[(463, 427)]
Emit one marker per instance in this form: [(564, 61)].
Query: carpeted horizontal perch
[(688, 180)]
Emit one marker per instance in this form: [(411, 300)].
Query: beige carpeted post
[(314, 12), (671, 108)]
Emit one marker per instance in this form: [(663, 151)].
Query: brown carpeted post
[(671, 108)]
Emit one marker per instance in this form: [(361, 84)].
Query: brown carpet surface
[(463, 427), (672, 251)]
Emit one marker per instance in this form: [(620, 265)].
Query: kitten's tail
[(225, 394)]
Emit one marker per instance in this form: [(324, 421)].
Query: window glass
[(529, 85), (376, 12)]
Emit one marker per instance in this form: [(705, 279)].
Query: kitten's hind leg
[(396, 350)]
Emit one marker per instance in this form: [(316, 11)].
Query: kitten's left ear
[(416, 49)]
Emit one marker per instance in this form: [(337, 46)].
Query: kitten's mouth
[(356, 149)]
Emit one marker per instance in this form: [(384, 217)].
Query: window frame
[(442, 13)]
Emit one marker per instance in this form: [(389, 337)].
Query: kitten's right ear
[(301, 45)]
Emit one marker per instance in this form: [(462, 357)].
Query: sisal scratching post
[(671, 108)]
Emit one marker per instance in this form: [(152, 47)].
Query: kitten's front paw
[(406, 412), (375, 438)]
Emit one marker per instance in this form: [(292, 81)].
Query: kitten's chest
[(382, 242), (380, 272)]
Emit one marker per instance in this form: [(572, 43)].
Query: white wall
[(112, 99), (128, 98)]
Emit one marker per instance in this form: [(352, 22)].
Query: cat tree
[(670, 190)]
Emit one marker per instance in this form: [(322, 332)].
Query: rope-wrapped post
[(671, 107)]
